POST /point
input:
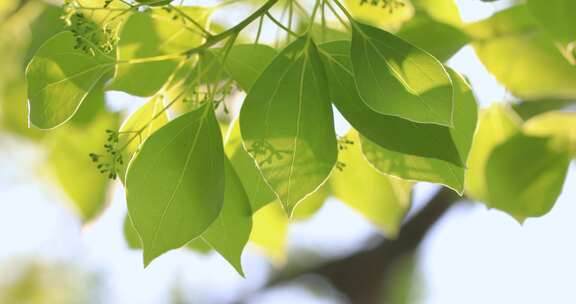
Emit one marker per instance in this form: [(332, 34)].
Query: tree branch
[(360, 276)]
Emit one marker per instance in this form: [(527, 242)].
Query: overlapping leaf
[(154, 34), (398, 79), (286, 124), (60, 77), (175, 185)]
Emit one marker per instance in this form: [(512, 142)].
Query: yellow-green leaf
[(561, 125), (60, 77), (382, 199), (496, 125), (270, 232), (287, 124), (175, 184)]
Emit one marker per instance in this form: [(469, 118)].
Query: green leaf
[(230, 232), (560, 125), (525, 175), (382, 199), (496, 125), (175, 184), (246, 62), (137, 128), (270, 232), (389, 16), (393, 133), (557, 17), (286, 124), (153, 34), (439, 39), (428, 169), (498, 41), (60, 77), (68, 149), (445, 11), (312, 203), (130, 235), (259, 193), (398, 79)]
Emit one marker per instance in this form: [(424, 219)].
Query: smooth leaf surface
[(393, 133), (439, 39), (287, 125), (525, 175), (418, 168), (175, 185), (560, 125), (259, 193), (398, 79), (60, 78), (245, 63), (150, 34), (230, 232), (557, 17), (382, 199), (312, 203), (270, 232), (137, 128), (76, 174), (495, 125), (512, 47)]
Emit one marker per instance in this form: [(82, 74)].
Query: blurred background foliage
[(529, 48)]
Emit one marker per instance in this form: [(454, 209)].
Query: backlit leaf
[(393, 133), (59, 79), (398, 79), (259, 193), (175, 184), (384, 200), (512, 47), (245, 63), (557, 17), (287, 126), (389, 16), (270, 232), (561, 125), (68, 150), (495, 125), (137, 128), (525, 175), (428, 169), (230, 232), (150, 34)]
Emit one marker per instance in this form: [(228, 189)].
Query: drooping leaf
[(245, 63), (287, 126), (175, 184), (512, 47), (68, 150), (378, 13), (383, 200), (525, 175), (557, 17), (130, 235), (428, 169), (137, 128), (259, 193), (560, 125), (398, 79), (496, 124), (439, 39), (390, 132), (60, 77), (270, 232), (150, 34), (230, 232)]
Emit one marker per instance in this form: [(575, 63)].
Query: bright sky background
[(473, 255)]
